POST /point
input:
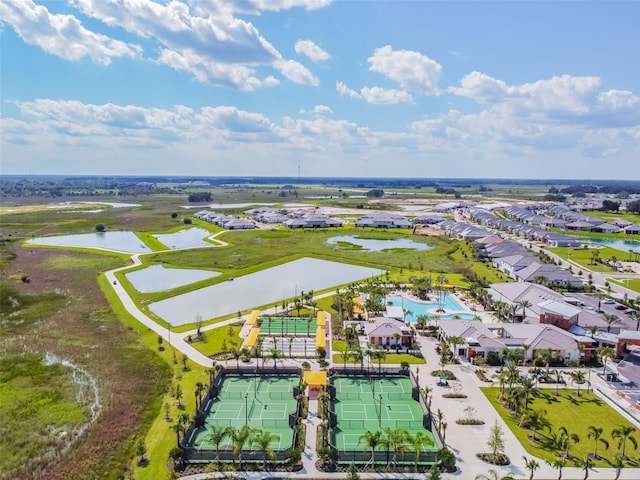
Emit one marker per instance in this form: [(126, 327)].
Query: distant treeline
[(99, 186)]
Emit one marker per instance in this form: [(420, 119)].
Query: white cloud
[(413, 71), (318, 110), (255, 7), (343, 90), (62, 35), (216, 47), (296, 72), (311, 50), (380, 95)]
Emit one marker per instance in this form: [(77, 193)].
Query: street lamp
[(246, 409), (380, 415)]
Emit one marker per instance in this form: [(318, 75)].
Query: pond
[(624, 245), (187, 238), (158, 278), (260, 288), (373, 245), (417, 308), (127, 242)]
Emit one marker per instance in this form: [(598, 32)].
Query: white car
[(608, 301)]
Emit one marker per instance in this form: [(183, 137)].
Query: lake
[(624, 245), (373, 245), (187, 238), (260, 288), (127, 242), (158, 278)]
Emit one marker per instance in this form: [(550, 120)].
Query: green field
[(574, 413)]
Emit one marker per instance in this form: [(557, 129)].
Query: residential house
[(386, 332)]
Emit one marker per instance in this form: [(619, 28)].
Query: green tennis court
[(288, 326), (375, 403), (261, 402)]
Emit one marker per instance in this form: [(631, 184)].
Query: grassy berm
[(51, 304)]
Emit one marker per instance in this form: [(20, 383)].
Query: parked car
[(608, 301), (620, 307)]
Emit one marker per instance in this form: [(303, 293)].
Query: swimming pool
[(451, 306)]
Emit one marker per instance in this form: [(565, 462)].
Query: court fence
[(194, 453)]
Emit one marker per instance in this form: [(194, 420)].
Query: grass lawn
[(220, 339), (391, 359), (576, 414), (631, 284), (582, 256)]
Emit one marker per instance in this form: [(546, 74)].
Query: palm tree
[(454, 341), (624, 433), (525, 348), (216, 435), (421, 321), (263, 439), (566, 437), (291, 339), (237, 353), (358, 356), (536, 420), (372, 441), (559, 380), (593, 329), (596, 434), (528, 388), (618, 464), (524, 304), (513, 373), (379, 354), (275, 355), (532, 465), (545, 355), (198, 393), (585, 464), (177, 428), (558, 463), (240, 438), (396, 341), (578, 378), (397, 438), (309, 320), (513, 312), (610, 319), (417, 442), (605, 353)]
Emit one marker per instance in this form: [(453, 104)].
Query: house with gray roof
[(632, 229), (383, 220), (383, 331)]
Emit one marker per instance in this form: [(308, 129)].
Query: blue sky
[(347, 88)]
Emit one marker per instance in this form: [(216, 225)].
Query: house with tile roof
[(383, 331)]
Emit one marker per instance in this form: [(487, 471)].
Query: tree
[(417, 442), (240, 438), (596, 434), (357, 356), (379, 354), (433, 473), (527, 388), (141, 451), (100, 227), (545, 355), (496, 441), (578, 378), (532, 465), (585, 464), (263, 439), (624, 433), (454, 341), (524, 304), (396, 341), (352, 472), (566, 437), (525, 349), (605, 353), (178, 395), (275, 355), (610, 319), (216, 435), (372, 440), (558, 463), (536, 420), (237, 353)]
